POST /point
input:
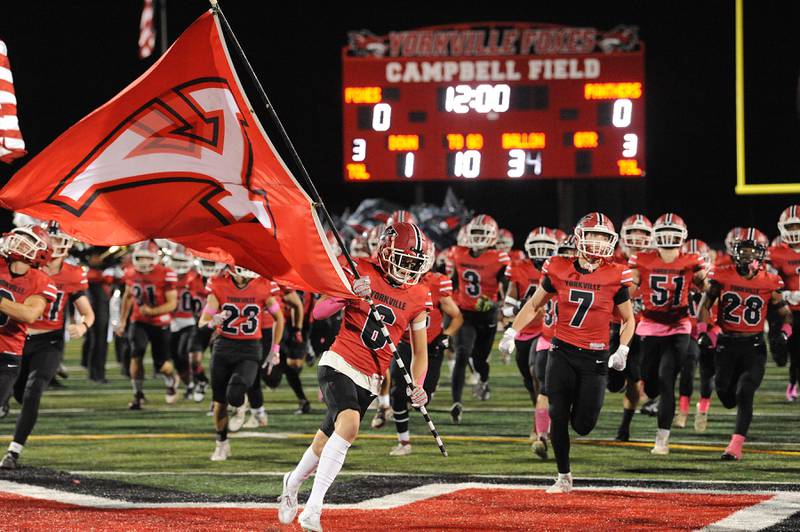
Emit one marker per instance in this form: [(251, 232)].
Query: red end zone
[(466, 509)]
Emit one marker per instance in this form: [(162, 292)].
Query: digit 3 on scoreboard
[(493, 101)]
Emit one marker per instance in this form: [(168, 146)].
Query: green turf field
[(87, 428)]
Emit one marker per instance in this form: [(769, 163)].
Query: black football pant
[(662, 357), (141, 334), (526, 364), (794, 350), (398, 398), (40, 360), (95, 344), (9, 369), (576, 386), (474, 341), (179, 349), (687, 369), (740, 362), (706, 372)]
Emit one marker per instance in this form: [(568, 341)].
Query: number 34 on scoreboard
[(475, 102)]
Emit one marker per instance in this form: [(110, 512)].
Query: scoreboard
[(493, 101)]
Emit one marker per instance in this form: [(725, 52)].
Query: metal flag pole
[(162, 21), (320, 206)]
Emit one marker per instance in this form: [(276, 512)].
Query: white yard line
[(759, 516)]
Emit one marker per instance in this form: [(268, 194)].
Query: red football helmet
[(359, 246), (670, 231), (560, 235), (749, 250), (505, 240), (637, 232), (541, 243), (695, 245), (374, 239), (481, 232), (461, 238), (731, 238), (403, 253), (588, 237), (178, 258), (145, 256), (790, 217), (59, 240), (209, 268), (29, 244), (567, 247), (239, 273), (401, 216)]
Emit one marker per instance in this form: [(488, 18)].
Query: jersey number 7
[(584, 299)]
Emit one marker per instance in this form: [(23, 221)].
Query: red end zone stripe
[(466, 509)]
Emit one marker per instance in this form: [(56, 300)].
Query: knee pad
[(237, 388)]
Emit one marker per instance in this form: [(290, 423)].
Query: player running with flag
[(350, 373), (588, 289)]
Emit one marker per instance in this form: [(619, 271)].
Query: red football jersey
[(517, 254), (69, 280), (267, 321), (360, 342), (244, 305), (743, 302), (787, 262), (189, 286), (585, 299), (18, 288), (151, 289), (440, 286), (525, 277), (722, 260), (475, 277), (664, 286)]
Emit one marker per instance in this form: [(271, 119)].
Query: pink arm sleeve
[(327, 308)]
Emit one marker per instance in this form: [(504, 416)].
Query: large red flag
[(180, 154)]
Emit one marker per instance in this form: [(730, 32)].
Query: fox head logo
[(193, 133)]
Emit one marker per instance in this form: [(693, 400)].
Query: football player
[(785, 258), (183, 323), (350, 373), (636, 235), (744, 292), (524, 278), (441, 288), (587, 289), (150, 298), (478, 277), (33, 303), (696, 354), (725, 259), (505, 242), (201, 337), (233, 308), (401, 216), (664, 277)]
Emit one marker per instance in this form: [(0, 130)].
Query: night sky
[(70, 57)]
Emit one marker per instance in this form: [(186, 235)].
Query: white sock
[(404, 436), (565, 476), (330, 463), (259, 410), (306, 466), (383, 401), (15, 447), (662, 435)]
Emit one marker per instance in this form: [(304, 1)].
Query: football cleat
[(304, 407), (700, 421), (10, 461), (188, 393), (729, 457), (791, 392), (256, 420), (623, 434), (236, 421), (455, 412), (481, 391), (287, 509), (309, 518), (650, 408), (402, 448), (680, 420), (199, 392), (539, 448), (221, 452), (661, 447), (171, 396), (137, 402), (380, 418), (562, 484)]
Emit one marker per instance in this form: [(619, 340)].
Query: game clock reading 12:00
[(493, 101)]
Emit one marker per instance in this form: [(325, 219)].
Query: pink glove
[(786, 329)]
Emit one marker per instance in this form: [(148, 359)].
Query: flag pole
[(162, 20), (320, 206)]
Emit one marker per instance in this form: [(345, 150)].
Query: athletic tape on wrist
[(276, 348), (418, 326)]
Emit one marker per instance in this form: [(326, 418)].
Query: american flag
[(11, 143), (147, 34)]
